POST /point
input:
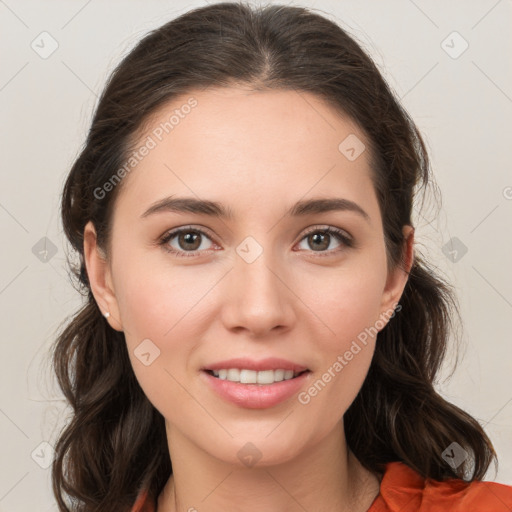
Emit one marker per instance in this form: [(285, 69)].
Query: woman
[(270, 338)]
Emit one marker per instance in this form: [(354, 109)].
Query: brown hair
[(115, 443)]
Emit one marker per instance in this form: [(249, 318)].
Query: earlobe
[(398, 278), (98, 272)]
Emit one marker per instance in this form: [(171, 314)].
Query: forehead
[(263, 144)]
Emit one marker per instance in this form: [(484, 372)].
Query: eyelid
[(329, 228)]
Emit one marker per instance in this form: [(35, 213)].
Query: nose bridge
[(259, 300)]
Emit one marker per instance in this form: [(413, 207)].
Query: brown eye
[(319, 240), (185, 242), (189, 240)]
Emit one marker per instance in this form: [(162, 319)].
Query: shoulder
[(404, 490)]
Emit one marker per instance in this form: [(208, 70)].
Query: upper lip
[(269, 363)]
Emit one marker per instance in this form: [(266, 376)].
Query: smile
[(256, 395), (245, 376)]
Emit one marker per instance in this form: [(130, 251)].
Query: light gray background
[(462, 106)]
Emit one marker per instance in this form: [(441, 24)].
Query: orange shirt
[(404, 490)]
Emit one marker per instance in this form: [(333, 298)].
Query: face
[(309, 286)]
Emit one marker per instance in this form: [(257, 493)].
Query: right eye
[(189, 239)]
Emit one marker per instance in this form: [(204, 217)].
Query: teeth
[(253, 377)]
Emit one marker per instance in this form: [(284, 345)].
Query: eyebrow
[(215, 209)]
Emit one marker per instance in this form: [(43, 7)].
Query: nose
[(258, 298)]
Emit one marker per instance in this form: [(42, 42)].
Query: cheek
[(158, 306), (155, 299), (332, 389), (159, 332), (348, 304), (344, 301), (347, 352)]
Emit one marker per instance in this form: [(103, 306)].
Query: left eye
[(323, 237)]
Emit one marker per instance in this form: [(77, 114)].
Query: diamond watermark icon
[(146, 352), (43, 455), (44, 45), (44, 249), (249, 250), (454, 45), (351, 147), (454, 249), (249, 454), (455, 455)]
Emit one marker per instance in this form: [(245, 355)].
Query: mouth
[(256, 389), (262, 377)]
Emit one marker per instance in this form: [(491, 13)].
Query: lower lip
[(256, 396)]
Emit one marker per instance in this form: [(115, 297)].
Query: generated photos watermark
[(151, 142), (337, 366)]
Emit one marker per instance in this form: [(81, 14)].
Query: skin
[(258, 153)]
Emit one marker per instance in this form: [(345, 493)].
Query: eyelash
[(340, 235)]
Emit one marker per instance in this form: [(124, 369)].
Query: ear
[(100, 278), (397, 279)]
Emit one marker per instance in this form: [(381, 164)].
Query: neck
[(323, 478)]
